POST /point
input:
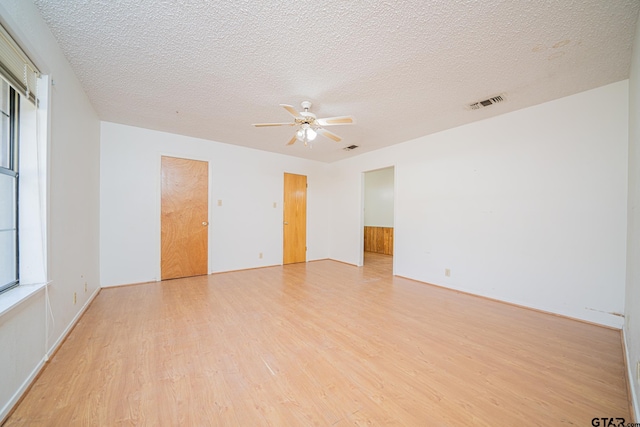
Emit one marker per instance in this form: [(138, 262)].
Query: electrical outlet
[(260, 255), (85, 286), (219, 202), (447, 272), (275, 204), (75, 298)]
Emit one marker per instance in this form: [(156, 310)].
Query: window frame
[(12, 171)]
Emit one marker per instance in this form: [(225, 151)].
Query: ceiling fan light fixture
[(309, 125), (311, 134), (306, 134)]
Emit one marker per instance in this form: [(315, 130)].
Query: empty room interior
[(320, 213)]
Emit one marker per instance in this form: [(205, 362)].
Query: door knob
[(205, 223), (286, 223)]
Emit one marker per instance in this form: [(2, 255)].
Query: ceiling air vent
[(486, 102), (349, 148)]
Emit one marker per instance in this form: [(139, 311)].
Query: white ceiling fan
[(309, 125)]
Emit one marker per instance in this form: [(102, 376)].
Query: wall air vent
[(486, 102), (349, 148)]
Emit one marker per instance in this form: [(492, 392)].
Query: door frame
[(158, 208), (395, 213)]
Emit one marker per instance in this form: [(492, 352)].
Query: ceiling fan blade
[(260, 125), (341, 120), (328, 134), (292, 140), (291, 110)]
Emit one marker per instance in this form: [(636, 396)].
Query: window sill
[(16, 296)]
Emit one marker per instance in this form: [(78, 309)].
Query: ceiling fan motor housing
[(307, 117)]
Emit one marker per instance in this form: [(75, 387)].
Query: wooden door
[(295, 218), (184, 218)]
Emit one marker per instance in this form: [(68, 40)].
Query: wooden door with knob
[(184, 218), (295, 219)]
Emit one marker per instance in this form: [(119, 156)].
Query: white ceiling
[(403, 68)]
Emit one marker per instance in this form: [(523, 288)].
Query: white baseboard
[(52, 349), (4, 412), (18, 394), (630, 375)]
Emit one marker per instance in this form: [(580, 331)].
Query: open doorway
[(379, 217)]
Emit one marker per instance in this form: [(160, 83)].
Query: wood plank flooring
[(323, 344)]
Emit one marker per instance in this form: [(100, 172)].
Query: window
[(23, 173), (9, 270)]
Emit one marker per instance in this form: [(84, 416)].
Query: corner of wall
[(631, 332)]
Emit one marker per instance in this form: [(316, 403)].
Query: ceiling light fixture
[(309, 125), (306, 134)]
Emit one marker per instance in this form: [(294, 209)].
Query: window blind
[(16, 67)]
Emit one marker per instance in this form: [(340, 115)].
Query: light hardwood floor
[(323, 344)]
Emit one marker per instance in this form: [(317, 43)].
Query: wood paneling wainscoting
[(378, 240)]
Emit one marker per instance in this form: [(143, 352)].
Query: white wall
[(22, 339), (247, 181), (378, 198), (73, 211), (632, 300), (527, 207)]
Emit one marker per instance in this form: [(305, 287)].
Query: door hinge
[(305, 248)]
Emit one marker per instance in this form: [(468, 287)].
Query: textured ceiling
[(403, 68)]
